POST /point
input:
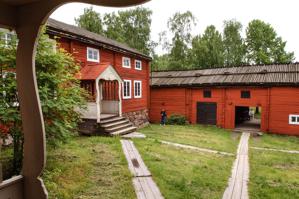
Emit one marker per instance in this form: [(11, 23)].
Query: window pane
[(293, 119), (245, 94), (298, 119)]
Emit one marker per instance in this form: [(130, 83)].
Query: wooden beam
[(7, 16)]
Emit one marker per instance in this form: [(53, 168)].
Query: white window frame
[(130, 89), (297, 119), (93, 50), (138, 61), (140, 95), (123, 60)]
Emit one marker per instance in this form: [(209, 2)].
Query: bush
[(176, 119)]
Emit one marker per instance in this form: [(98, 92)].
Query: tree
[(90, 20), (264, 46), (234, 48), (207, 50), (180, 25), (131, 27)]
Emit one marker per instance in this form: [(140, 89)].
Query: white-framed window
[(127, 85), (294, 119), (93, 54), (6, 38), (126, 62), (137, 89), (138, 65)]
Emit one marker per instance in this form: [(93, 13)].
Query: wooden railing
[(12, 188)]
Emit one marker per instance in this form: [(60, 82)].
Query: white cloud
[(281, 14)]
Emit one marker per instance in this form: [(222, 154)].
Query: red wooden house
[(115, 75), (226, 96)]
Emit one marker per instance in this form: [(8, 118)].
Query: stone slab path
[(238, 182), (195, 148), (134, 135), (279, 150), (144, 185)]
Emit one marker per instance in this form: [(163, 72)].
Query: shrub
[(176, 119)]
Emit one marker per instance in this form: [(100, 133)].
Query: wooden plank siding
[(79, 52), (277, 104)]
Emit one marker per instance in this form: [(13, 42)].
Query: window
[(6, 38), (137, 89), (126, 62), (294, 119), (138, 65), (127, 89), (245, 94), (93, 55), (207, 94)]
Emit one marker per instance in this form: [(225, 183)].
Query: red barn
[(228, 97), (115, 75)]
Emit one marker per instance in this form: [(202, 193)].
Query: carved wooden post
[(32, 119)]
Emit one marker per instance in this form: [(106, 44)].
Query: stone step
[(113, 124), (124, 131), (118, 128), (111, 120)]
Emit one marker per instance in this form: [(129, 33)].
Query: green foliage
[(90, 20), (131, 26), (176, 119), (59, 90), (264, 46), (207, 50), (233, 43)]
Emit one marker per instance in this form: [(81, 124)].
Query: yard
[(95, 167)]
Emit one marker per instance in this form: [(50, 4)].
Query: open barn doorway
[(248, 118)]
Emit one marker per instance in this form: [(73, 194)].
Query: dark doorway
[(207, 113), (247, 118)]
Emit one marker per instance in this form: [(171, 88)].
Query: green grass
[(201, 136), (274, 174), (184, 173), (88, 168), (276, 142), (6, 158)]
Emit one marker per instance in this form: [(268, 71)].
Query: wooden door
[(207, 113)]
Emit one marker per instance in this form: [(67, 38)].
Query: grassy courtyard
[(274, 174)]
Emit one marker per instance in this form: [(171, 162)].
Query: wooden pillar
[(31, 113)]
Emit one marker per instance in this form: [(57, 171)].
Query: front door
[(207, 113)]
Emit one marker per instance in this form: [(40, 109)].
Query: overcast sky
[(283, 15)]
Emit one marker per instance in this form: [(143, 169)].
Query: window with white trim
[(93, 54), (126, 62), (137, 89), (294, 119), (138, 65), (127, 89)]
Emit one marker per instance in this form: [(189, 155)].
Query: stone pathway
[(144, 185), (238, 187), (134, 135), (279, 150), (195, 148)]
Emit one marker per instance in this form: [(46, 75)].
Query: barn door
[(206, 113)]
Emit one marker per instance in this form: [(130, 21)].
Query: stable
[(261, 97)]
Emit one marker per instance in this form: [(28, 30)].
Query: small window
[(294, 119), (127, 89), (93, 55), (207, 94), (126, 62), (245, 94), (138, 65), (137, 89)]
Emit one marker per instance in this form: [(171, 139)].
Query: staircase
[(112, 125), (116, 125)]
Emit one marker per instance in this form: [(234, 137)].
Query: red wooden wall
[(78, 50), (277, 104)]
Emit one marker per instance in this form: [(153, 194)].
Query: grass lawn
[(88, 168), (274, 174), (181, 173), (196, 135), (6, 157)]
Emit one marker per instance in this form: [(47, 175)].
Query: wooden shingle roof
[(259, 75), (73, 32)]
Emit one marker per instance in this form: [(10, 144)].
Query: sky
[(283, 15)]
